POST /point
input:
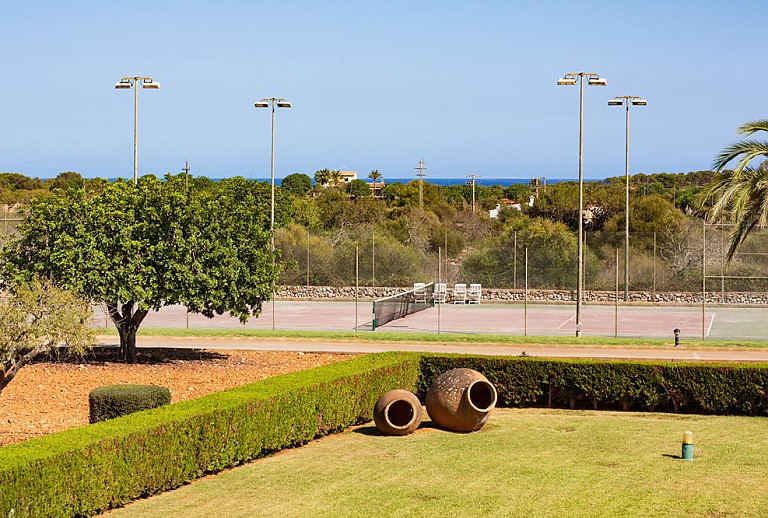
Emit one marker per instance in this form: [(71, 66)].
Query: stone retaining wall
[(509, 295)]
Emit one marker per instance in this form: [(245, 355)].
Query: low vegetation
[(113, 401)]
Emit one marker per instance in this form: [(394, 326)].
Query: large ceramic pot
[(397, 412), (461, 400)]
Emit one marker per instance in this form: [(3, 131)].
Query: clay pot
[(397, 412), (461, 400)]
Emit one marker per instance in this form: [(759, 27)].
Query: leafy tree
[(358, 188), (137, 249), (743, 191), (517, 192), (297, 183), (336, 178), (16, 181), (64, 181), (37, 319)]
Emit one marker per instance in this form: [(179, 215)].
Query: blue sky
[(468, 86)]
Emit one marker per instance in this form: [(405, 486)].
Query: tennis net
[(397, 306)]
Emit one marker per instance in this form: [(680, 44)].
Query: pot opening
[(482, 395), (400, 413)]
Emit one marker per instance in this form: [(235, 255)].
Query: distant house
[(494, 213), (348, 176), (376, 191)]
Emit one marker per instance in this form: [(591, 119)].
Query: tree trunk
[(127, 322)]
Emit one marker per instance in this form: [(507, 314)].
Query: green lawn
[(529, 462), (368, 336)]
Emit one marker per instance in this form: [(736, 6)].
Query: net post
[(616, 300), (704, 280), (357, 282), (525, 303)]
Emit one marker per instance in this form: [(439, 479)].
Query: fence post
[(616, 300), (514, 265), (653, 293), (373, 258), (722, 271), (357, 280), (439, 302), (446, 259), (704, 280), (525, 304), (308, 245)]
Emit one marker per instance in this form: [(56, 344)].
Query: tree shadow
[(102, 355)]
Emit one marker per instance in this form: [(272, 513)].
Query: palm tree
[(322, 176), (742, 192), (336, 178), (375, 175)]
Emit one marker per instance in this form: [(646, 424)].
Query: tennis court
[(597, 320)]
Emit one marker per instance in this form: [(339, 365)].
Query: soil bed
[(50, 396)]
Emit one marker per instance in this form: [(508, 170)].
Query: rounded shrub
[(113, 401)]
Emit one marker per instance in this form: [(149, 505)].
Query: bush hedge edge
[(89, 469)]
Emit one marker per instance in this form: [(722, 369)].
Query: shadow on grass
[(669, 455), (371, 430), (102, 355)]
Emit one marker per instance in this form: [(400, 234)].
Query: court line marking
[(563, 324), (712, 320)]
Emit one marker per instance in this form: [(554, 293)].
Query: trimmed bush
[(113, 401), (707, 388), (85, 470)]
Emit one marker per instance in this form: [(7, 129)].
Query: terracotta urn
[(461, 400), (397, 412)]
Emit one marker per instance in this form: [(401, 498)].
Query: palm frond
[(753, 127), (745, 150)]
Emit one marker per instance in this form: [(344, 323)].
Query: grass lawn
[(368, 336), (530, 462)]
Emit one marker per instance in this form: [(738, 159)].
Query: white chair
[(441, 292), (419, 292), (459, 293), (474, 294)]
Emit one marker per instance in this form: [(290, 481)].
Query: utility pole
[(186, 173), (421, 176), (472, 178)]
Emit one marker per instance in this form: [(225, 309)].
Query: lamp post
[(570, 79), (626, 100), (127, 83), (272, 102)]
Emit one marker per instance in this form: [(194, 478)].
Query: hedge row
[(92, 468), (729, 389)]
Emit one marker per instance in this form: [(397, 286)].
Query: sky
[(470, 87)]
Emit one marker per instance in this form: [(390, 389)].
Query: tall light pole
[(626, 100), (127, 83), (272, 102), (593, 79), (472, 181)]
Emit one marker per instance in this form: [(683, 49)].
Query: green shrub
[(85, 470), (732, 389), (115, 400)]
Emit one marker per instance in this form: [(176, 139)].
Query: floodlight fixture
[(615, 102), (126, 83), (566, 81), (261, 104), (597, 81), (283, 104), (639, 102)]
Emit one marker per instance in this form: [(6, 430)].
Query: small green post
[(687, 446)]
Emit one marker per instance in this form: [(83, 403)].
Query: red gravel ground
[(48, 396)]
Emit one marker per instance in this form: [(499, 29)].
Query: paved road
[(545, 351)]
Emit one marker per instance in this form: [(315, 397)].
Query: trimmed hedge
[(85, 470), (706, 388), (113, 401)]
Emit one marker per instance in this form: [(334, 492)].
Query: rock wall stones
[(550, 296)]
